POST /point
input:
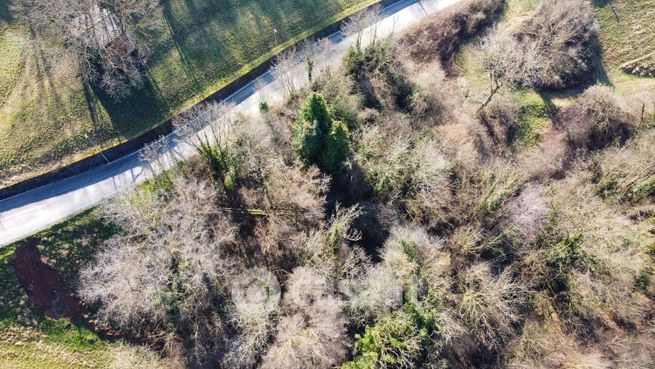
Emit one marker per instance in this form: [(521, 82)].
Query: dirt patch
[(43, 285), (46, 289), (441, 35)]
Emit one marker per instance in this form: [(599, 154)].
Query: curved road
[(29, 212)]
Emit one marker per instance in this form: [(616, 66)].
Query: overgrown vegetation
[(437, 230)]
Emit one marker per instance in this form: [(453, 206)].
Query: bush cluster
[(396, 239)]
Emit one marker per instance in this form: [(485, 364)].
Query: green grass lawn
[(27, 338), (199, 46), (627, 29)]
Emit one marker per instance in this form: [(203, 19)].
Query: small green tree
[(319, 139), (398, 340), (337, 148)]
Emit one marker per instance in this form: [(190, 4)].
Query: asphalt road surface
[(29, 212)]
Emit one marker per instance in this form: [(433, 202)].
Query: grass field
[(28, 340), (628, 29), (199, 46)]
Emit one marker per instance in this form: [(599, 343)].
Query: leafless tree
[(109, 37), (363, 26), (256, 297), (157, 155), (212, 121), (324, 55), (490, 305), (285, 69), (313, 334), (500, 56), (167, 268)]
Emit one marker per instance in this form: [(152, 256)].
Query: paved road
[(27, 213)]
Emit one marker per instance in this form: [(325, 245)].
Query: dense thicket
[(554, 48), (415, 234)]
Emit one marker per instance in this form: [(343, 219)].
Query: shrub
[(338, 92), (604, 264), (545, 346), (397, 340), (501, 120), (527, 213), (212, 156), (406, 170), (379, 74), (496, 184), (554, 48), (441, 35), (490, 305), (596, 120), (137, 357), (388, 285), (319, 139), (550, 159), (562, 258), (626, 173), (559, 42)]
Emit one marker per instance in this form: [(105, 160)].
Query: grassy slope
[(200, 46), (628, 29), (28, 339)]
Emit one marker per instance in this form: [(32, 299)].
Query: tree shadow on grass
[(189, 69), (143, 109), (610, 3), (5, 11)]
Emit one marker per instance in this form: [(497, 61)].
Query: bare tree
[(500, 56), (313, 335), (307, 53), (490, 305), (363, 26), (285, 70), (109, 37), (157, 155), (167, 269), (256, 297), (325, 54)]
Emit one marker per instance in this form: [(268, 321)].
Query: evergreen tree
[(319, 139)]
